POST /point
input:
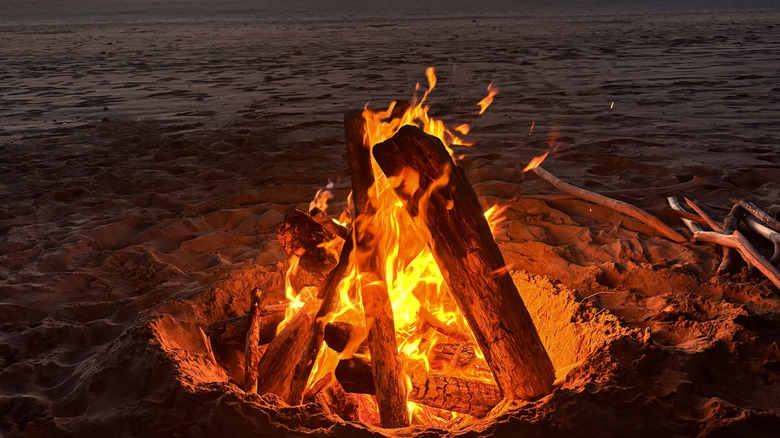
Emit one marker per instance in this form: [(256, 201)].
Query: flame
[(494, 216), (535, 162), (485, 103), (424, 311)]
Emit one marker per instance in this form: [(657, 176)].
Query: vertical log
[(386, 366), (470, 260), (252, 343)]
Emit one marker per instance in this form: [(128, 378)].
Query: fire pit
[(401, 312)]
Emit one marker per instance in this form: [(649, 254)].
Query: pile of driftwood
[(728, 235), (463, 247)]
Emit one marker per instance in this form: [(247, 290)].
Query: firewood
[(328, 292), (277, 366), (252, 344), (302, 236), (387, 372), (455, 394), (338, 401), (430, 321), (619, 206), (338, 335), (759, 214), (470, 260), (231, 333)]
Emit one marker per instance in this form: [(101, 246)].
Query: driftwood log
[(619, 206), (386, 366), (470, 260), (759, 214), (439, 391)]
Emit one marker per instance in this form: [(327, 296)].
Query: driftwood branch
[(469, 258), (711, 222), (258, 301), (730, 225), (734, 241), (767, 233), (619, 206), (759, 214), (739, 242)]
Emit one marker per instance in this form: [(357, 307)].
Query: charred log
[(300, 235)]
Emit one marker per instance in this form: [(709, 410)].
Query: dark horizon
[(95, 11)]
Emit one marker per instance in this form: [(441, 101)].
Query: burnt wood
[(300, 235), (277, 367), (470, 260)]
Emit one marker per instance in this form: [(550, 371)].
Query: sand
[(144, 167)]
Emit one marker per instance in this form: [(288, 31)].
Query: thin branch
[(619, 206)]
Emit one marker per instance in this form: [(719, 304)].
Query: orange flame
[(485, 103), (535, 162)]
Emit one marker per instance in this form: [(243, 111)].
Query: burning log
[(338, 335), (445, 392), (386, 366), (443, 355), (619, 206), (252, 344), (277, 367), (302, 236), (328, 293), (470, 260)]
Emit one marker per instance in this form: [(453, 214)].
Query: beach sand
[(145, 166)]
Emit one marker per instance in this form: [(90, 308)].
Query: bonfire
[(401, 310)]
